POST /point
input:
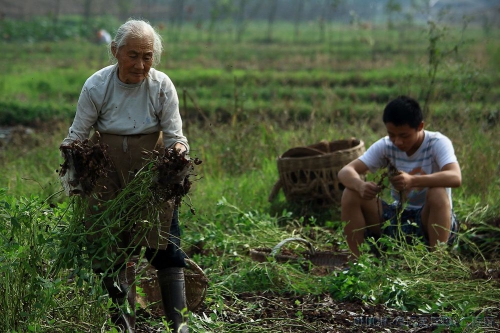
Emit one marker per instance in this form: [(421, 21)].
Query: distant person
[(103, 37), (135, 107), (426, 170)]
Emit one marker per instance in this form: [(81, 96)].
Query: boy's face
[(405, 138)]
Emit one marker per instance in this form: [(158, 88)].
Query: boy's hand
[(404, 181), (401, 182), (369, 190)]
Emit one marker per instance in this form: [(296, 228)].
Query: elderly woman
[(135, 107)]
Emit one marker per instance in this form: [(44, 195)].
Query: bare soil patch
[(270, 312)]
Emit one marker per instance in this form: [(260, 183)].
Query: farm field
[(243, 104)]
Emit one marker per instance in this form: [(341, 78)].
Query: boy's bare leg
[(359, 214), (436, 216)]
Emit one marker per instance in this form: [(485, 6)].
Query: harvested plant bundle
[(136, 209), (164, 178), (84, 163), (173, 171)]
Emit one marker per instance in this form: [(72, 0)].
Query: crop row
[(280, 111), (298, 102), (321, 78), (372, 92), (269, 86)]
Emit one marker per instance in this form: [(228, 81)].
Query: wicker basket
[(309, 174), (317, 258), (196, 285)]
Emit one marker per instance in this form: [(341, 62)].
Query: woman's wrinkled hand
[(180, 148)]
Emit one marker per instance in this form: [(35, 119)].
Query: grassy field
[(244, 104)]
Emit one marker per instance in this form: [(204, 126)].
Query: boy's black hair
[(403, 110)]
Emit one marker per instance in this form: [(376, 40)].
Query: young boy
[(427, 169)]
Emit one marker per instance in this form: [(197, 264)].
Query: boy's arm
[(349, 176), (450, 175)]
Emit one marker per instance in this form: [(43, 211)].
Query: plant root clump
[(174, 171), (89, 162)]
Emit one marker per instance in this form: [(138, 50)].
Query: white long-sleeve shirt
[(113, 107)]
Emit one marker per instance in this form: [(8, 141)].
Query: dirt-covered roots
[(86, 161), (174, 174)]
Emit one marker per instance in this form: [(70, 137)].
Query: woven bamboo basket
[(196, 285), (309, 174), (317, 258)]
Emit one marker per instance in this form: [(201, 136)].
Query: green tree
[(219, 10), (124, 8), (177, 19), (298, 16), (331, 7), (392, 7), (242, 19), (87, 10), (271, 18)]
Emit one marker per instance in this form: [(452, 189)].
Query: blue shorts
[(410, 225)]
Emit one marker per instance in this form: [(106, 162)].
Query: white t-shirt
[(114, 107), (434, 153)]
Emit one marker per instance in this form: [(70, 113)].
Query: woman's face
[(135, 59)]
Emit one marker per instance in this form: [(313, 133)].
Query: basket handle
[(274, 191), (352, 140), (326, 146), (278, 247), (194, 266)]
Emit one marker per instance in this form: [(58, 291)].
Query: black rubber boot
[(123, 316), (173, 294)]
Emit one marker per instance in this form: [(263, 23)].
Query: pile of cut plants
[(166, 177)]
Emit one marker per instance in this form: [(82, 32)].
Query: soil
[(269, 312), (272, 312)]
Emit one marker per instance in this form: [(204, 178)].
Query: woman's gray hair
[(137, 29)]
